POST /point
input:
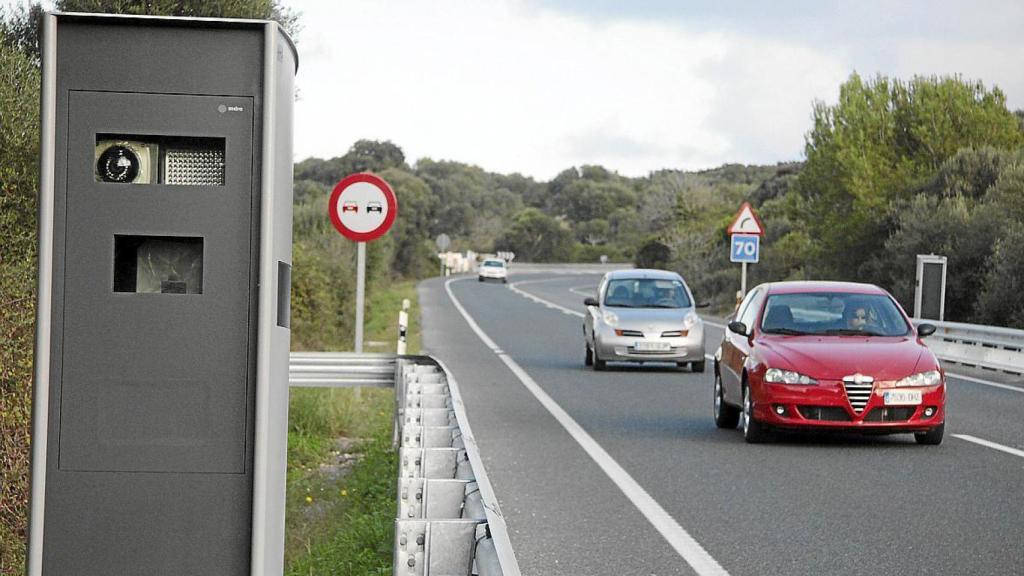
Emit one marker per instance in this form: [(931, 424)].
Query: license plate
[(902, 397), (653, 346)]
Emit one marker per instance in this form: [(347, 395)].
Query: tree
[(414, 247), (653, 254), (537, 237), (372, 156), (592, 232), (1002, 299), (19, 29), (19, 153), (880, 142)]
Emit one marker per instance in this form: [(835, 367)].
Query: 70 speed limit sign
[(745, 248)]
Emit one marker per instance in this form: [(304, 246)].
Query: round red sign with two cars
[(362, 207)]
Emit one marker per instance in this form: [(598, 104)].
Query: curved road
[(623, 472)]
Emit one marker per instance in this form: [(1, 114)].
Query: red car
[(827, 356)]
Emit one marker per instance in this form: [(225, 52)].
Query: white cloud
[(517, 88)]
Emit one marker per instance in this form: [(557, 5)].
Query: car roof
[(811, 286), (644, 273)]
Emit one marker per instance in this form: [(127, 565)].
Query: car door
[(590, 318), (736, 348)]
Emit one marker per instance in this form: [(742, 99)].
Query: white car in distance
[(493, 269)]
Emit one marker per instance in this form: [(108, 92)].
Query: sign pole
[(360, 293), (743, 282)]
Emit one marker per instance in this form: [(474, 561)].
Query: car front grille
[(858, 393), (826, 413), (890, 414)]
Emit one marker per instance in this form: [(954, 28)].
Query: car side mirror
[(590, 302), (738, 327), (925, 330), (703, 305)]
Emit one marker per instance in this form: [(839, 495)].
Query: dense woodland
[(895, 168)]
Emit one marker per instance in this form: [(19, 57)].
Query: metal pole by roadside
[(360, 293)]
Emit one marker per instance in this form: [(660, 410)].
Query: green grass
[(345, 525), (382, 317)]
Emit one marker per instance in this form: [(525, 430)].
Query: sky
[(538, 86), (535, 87)]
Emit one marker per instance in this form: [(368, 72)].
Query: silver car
[(643, 316)]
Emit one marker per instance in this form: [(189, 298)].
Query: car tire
[(727, 416), (480, 278), (588, 358), (753, 431), (932, 437), (698, 367), (599, 364), (504, 280)]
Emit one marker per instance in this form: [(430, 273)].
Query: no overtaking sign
[(363, 207)]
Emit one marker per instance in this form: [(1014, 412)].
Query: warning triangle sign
[(746, 222)]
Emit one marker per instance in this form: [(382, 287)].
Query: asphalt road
[(623, 472)]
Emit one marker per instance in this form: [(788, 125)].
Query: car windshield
[(833, 313), (494, 263), (646, 293)]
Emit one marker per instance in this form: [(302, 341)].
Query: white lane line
[(588, 292), (986, 382), (992, 445), (950, 374), (680, 540), (515, 288)]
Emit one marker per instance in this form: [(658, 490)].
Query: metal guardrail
[(991, 347), (341, 369), (449, 523)]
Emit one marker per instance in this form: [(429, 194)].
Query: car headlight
[(610, 318), (777, 376), (929, 378), (690, 320)]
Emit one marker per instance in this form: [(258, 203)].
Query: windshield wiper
[(786, 331), (850, 332)]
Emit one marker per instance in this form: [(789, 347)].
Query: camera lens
[(118, 164)]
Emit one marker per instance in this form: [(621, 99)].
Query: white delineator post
[(403, 326), (360, 293)]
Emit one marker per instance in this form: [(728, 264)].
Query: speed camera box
[(162, 345)]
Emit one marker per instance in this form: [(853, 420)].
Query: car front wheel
[(697, 366), (727, 416), (932, 437), (753, 431), (599, 364), (588, 358)]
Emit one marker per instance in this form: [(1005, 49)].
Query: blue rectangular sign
[(745, 248)]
